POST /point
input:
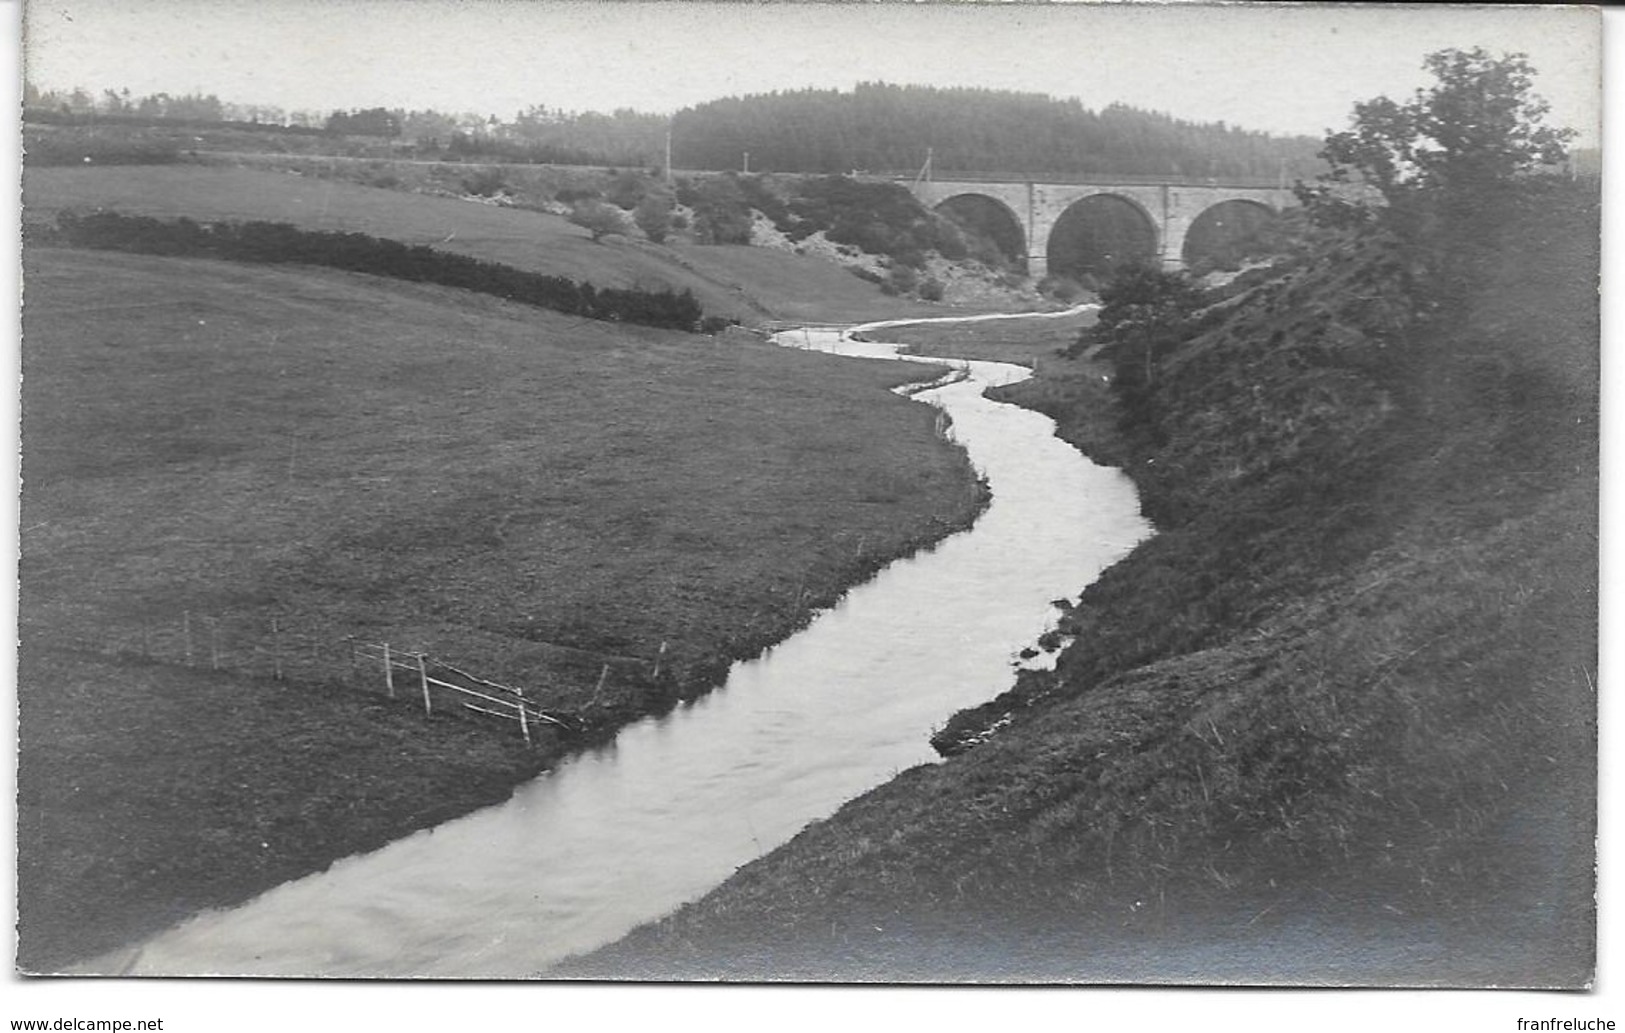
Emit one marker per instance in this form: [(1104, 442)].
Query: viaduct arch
[(1170, 209)]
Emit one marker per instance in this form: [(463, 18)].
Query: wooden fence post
[(276, 649), (602, 676), (423, 679), (186, 629), (524, 721), (659, 659), (389, 672)]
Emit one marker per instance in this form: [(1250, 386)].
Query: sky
[(1286, 68)]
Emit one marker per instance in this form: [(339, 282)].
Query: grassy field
[(527, 496), (744, 283)]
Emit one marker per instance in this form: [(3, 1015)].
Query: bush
[(653, 216), (485, 183), (1061, 288), (877, 218), (949, 240), (598, 218), (901, 279), (758, 193), (931, 289), (721, 213), (627, 191)]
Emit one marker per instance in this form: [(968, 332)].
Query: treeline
[(875, 127), (536, 135), (880, 126), (57, 117), (281, 243)]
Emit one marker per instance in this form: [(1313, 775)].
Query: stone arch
[(1223, 232), (1098, 233), (990, 218)]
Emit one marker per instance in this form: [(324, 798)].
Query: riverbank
[(618, 836), (1334, 724), (1023, 341), (397, 463)]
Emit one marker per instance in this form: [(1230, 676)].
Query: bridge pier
[(1037, 266)]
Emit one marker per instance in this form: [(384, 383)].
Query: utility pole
[(668, 153), (925, 170)]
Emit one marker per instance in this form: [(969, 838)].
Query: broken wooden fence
[(479, 694)]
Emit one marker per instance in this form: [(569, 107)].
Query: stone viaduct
[(1169, 209)]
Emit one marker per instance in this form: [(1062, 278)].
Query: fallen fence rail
[(517, 708)]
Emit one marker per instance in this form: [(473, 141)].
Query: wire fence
[(285, 649)]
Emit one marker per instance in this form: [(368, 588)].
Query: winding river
[(620, 836)]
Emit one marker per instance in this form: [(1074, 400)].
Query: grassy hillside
[(749, 284), (1335, 723), (528, 496)]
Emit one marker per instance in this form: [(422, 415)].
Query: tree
[(1477, 128), (653, 215), (371, 122), (598, 218), (1140, 311)]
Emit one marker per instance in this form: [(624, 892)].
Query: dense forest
[(882, 126)]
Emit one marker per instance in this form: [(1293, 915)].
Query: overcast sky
[(1282, 68)]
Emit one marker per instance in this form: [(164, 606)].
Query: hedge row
[(279, 242)]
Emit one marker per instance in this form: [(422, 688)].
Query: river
[(623, 835)]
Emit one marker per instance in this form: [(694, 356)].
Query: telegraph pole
[(925, 170), (668, 153)]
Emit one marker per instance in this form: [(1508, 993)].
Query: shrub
[(901, 279), (758, 193), (627, 190), (721, 213), (1061, 288), (653, 216), (598, 218), (949, 240), (931, 289), (485, 183)]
